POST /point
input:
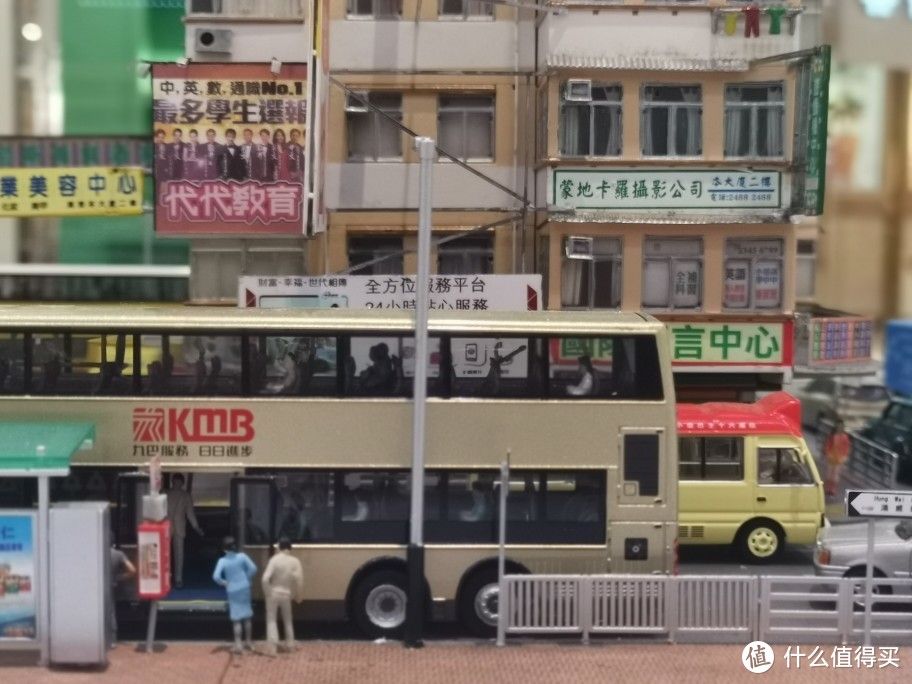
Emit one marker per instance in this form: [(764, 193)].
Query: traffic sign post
[(873, 505), (887, 504)]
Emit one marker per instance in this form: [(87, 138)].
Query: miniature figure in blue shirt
[(234, 572)]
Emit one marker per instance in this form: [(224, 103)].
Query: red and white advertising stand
[(154, 547)]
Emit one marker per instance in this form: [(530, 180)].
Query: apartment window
[(590, 120), (806, 276), (372, 136), (465, 126), (753, 274), (672, 121), (673, 273), (385, 252), (466, 9), (375, 9), (755, 120), (591, 273), (466, 256)]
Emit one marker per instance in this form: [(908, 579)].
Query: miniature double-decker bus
[(297, 424), (747, 477)]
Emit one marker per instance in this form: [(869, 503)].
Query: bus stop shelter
[(41, 451)]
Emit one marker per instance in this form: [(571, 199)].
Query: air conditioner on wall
[(353, 104), (212, 40), (578, 90), (578, 247)]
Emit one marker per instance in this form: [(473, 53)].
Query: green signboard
[(730, 344), (815, 183)]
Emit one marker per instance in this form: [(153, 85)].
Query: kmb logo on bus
[(192, 425)]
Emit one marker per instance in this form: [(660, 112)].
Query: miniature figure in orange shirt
[(836, 450)]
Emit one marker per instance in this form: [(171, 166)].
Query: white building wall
[(583, 38), (359, 45), (251, 42), (394, 185)]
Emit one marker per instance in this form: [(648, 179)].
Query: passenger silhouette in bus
[(215, 371), (51, 375), (587, 385), (306, 370), (259, 364), (378, 377), (253, 533), (480, 509), (200, 373), (108, 371), (356, 507), (5, 367), (491, 384), (155, 379), (348, 379)]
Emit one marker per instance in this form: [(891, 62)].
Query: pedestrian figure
[(180, 511), (121, 570), (283, 581), (234, 572), (836, 449)]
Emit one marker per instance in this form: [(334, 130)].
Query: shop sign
[(840, 340), (815, 181), (70, 191), (634, 189), (703, 344)]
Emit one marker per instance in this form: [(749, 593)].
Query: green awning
[(33, 449)]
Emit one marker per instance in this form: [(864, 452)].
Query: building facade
[(670, 169), (639, 155)]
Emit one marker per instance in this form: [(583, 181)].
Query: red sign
[(154, 548), (192, 425)]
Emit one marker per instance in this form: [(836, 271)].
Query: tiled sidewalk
[(451, 662)]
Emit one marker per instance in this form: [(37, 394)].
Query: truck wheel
[(760, 542), (378, 604)]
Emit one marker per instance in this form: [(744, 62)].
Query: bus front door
[(253, 516)]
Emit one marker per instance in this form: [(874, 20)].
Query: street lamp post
[(414, 620)]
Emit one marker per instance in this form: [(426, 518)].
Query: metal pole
[(869, 583), (43, 542), (414, 621), (150, 630), (502, 552)]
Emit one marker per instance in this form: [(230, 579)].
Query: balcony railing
[(246, 9)]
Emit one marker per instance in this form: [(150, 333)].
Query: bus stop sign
[(868, 504)]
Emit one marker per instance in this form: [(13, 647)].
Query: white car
[(842, 551), (853, 400)]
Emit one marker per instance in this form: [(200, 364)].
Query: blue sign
[(18, 576)]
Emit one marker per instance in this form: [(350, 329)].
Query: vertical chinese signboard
[(18, 571), (815, 183), (321, 116), (231, 153)]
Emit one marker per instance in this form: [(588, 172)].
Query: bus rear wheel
[(378, 604), (479, 604), (760, 542)]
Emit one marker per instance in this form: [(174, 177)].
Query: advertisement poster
[(231, 150), (18, 574)]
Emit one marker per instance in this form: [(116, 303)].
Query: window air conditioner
[(578, 248), (353, 104), (205, 7), (213, 40), (578, 90)]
